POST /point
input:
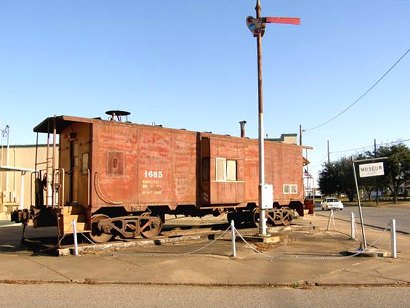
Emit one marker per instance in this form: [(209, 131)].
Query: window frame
[(290, 189), (226, 170)]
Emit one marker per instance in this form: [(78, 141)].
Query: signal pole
[(257, 27), (261, 131)]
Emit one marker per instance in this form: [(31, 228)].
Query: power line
[(363, 95), (323, 159), (371, 146)]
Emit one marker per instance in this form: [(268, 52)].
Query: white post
[(74, 224), (393, 239), (331, 218), (233, 239), (7, 158), (353, 226), (21, 203)]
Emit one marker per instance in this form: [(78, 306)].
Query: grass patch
[(381, 203)]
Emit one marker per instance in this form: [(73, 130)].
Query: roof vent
[(116, 115)]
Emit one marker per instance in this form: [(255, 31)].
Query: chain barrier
[(60, 240), (380, 235), (304, 257), (252, 247), (159, 254), (357, 226), (378, 238), (292, 257), (88, 239)]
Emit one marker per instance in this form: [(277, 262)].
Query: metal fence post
[(331, 219), (233, 239), (393, 238), (353, 226), (74, 224)]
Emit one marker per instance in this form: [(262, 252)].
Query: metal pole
[(233, 239), (377, 188), (393, 239), (1, 160), (331, 220), (21, 203), (7, 159), (48, 164), (353, 226), (74, 224), (261, 134), (53, 164), (328, 152), (360, 207)]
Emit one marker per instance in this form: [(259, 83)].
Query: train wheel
[(287, 216), (269, 217), (256, 217), (150, 226), (97, 235), (278, 217)]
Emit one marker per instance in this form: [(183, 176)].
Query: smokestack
[(242, 123)]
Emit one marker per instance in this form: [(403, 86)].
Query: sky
[(192, 64)]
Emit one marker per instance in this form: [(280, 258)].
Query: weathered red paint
[(283, 20), (132, 166)]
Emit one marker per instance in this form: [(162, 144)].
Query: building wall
[(21, 156)]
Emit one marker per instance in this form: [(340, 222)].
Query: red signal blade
[(283, 20)]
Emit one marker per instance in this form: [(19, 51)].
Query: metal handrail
[(88, 186), (31, 186), (59, 174)]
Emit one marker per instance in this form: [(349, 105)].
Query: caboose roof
[(61, 122)]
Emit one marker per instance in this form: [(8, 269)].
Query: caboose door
[(74, 171)]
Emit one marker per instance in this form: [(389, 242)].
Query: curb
[(294, 285), (367, 225)]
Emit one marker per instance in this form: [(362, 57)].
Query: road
[(376, 216), (122, 295)]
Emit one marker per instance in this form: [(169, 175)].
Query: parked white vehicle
[(331, 204)]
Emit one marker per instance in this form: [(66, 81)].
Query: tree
[(337, 178), (396, 166)]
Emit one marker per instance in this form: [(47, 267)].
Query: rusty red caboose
[(121, 178)]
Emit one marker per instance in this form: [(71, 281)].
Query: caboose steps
[(72, 210), (80, 220), (70, 214)]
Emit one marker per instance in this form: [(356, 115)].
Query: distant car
[(331, 204)]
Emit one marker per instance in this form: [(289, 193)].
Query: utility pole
[(257, 27), (328, 153), (377, 188), (5, 133), (375, 148)]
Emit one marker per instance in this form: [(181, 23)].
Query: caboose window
[(231, 170), (290, 189), (115, 163), (221, 169), (225, 169)]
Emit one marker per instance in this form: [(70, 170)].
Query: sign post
[(257, 27), (366, 170)]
